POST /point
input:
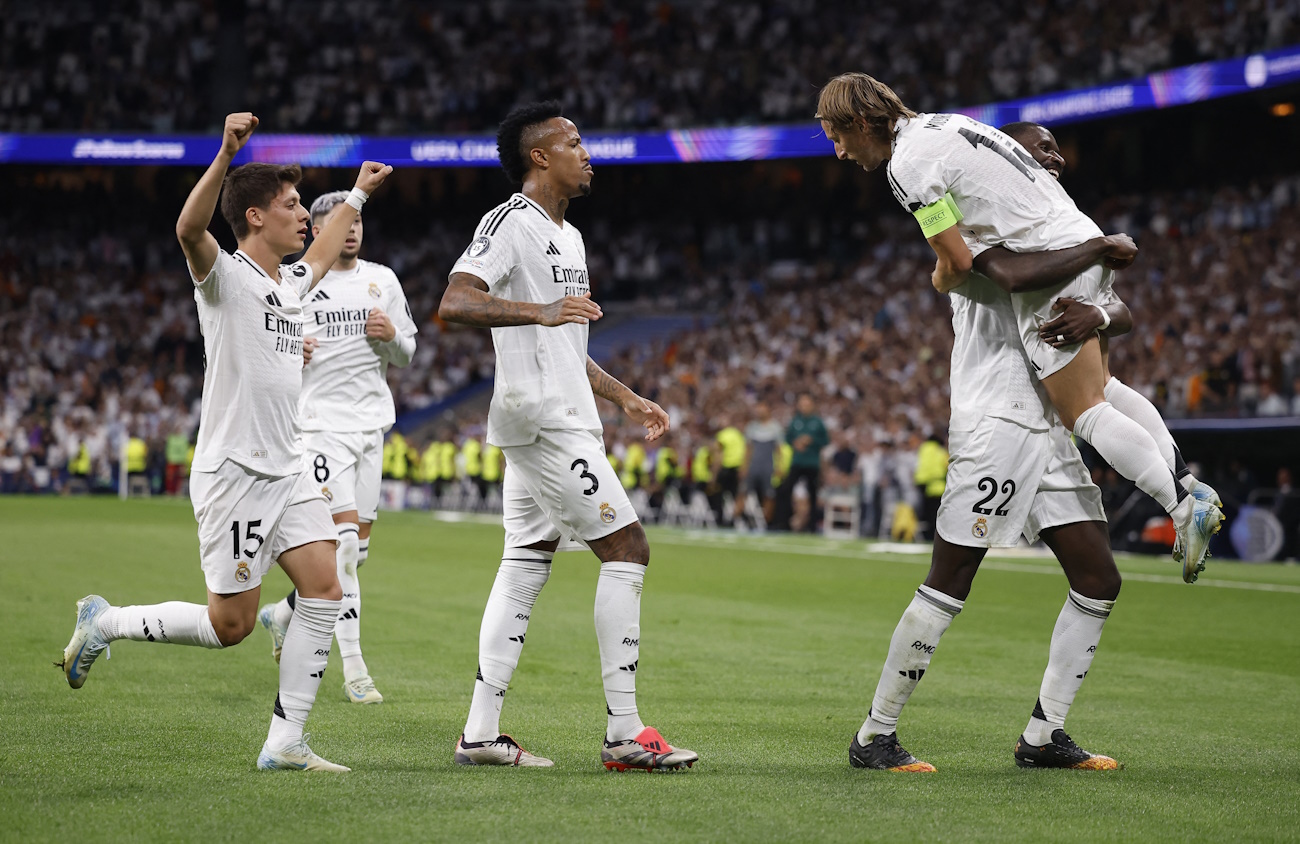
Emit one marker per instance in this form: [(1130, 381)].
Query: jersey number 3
[(595, 484), (990, 484)]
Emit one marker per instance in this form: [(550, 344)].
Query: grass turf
[(759, 653)]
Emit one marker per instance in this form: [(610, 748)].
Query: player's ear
[(253, 215), (315, 230), (538, 156)]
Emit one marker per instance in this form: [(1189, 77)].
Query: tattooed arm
[(467, 301), (644, 412)]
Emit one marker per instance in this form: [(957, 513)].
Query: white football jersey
[(344, 388), (990, 373), (1005, 197), (541, 373), (252, 344)]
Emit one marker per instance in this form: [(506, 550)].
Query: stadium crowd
[(100, 341), (375, 67)]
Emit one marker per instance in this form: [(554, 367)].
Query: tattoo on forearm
[(603, 384), (478, 307)]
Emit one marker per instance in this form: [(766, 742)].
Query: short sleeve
[(490, 257), (974, 244), (399, 311), (298, 276), (916, 183), (222, 280)]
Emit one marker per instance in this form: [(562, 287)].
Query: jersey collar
[(244, 256), (539, 209)]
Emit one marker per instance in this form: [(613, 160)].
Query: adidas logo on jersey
[(272, 299), (322, 295), (551, 250)]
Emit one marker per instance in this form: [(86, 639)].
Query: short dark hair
[(253, 186), (1019, 128), (510, 135)]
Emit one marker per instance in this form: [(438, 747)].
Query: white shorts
[(347, 468), (1005, 480), (246, 521), (562, 487), (1035, 308)]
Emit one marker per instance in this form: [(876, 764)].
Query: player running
[(253, 502), (947, 168), (558, 482), (346, 408)]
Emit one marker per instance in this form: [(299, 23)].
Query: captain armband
[(938, 216)]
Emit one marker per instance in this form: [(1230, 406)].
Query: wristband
[(1105, 318), (356, 198)]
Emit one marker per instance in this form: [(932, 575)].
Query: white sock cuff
[(939, 600), (630, 572), (1092, 606), (1087, 421), (318, 614)]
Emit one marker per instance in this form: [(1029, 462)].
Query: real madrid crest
[(981, 528), (329, 496), (374, 290), (241, 572), (607, 513)]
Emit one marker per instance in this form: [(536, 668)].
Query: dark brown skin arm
[(1020, 272), (468, 302)]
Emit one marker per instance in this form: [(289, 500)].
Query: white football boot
[(295, 757), (86, 644)]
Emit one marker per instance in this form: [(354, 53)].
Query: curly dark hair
[(510, 135)]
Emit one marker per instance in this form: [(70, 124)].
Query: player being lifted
[(253, 502), (525, 276), (1013, 469), (947, 168), (345, 409), (1110, 317)]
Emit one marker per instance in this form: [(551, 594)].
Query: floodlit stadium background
[(737, 261)]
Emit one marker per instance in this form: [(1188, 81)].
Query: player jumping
[(345, 408), (253, 502), (558, 482)]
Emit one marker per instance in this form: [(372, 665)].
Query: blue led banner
[(1167, 88)]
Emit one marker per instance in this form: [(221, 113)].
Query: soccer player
[(947, 168), (525, 276), (1079, 320), (253, 502), (346, 408)]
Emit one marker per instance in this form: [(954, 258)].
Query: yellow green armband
[(938, 216)]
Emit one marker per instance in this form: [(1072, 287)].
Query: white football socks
[(363, 551), (1125, 445), (519, 581), (348, 628), (1137, 407), (915, 638), (618, 633), (174, 623), (302, 664), (1074, 644)]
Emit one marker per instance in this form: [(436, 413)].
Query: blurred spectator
[(368, 66), (807, 436), (931, 479), (763, 436)]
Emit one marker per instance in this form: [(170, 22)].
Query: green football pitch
[(760, 653)]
